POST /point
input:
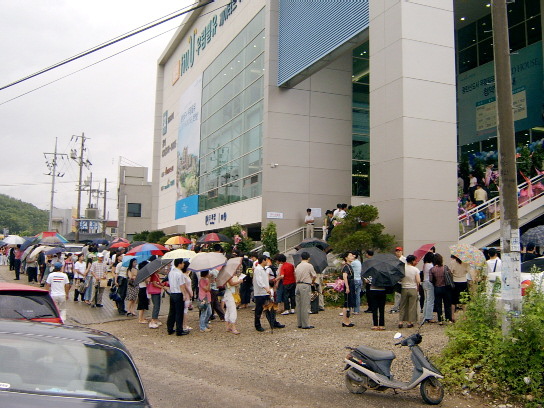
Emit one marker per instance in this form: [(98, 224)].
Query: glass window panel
[(515, 13), (253, 49), (517, 37), (252, 139), (466, 36), (254, 70), (468, 59), (251, 163), (361, 147), (523, 138), (537, 134), (253, 116), (360, 121), (534, 31), (361, 67), (234, 191), (489, 145), (360, 178), (471, 148), (485, 27), (485, 51), (361, 94), (254, 92), (532, 8)]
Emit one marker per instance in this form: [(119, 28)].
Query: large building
[(267, 107)]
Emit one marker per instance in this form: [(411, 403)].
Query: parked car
[(27, 303), (46, 365), (527, 278)]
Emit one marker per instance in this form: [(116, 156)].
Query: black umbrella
[(385, 270), (100, 241), (314, 242), (151, 268), (318, 258), (527, 265)]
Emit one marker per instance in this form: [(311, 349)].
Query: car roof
[(8, 286), (66, 332)]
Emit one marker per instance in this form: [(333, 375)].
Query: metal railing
[(289, 241), (487, 213)]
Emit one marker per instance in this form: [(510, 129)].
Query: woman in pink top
[(204, 293)]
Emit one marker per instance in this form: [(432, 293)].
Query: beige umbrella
[(204, 261), (179, 253), (228, 270), (34, 254)]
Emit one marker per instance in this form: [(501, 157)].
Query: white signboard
[(272, 215)]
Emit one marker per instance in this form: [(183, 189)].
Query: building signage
[(477, 107), (167, 170), (197, 42), (273, 215), (168, 184), (213, 219), (164, 123)]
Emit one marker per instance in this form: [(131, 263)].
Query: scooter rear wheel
[(432, 391), (353, 386)]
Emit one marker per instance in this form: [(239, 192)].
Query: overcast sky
[(111, 102)]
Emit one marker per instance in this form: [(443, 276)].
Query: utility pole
[(510, 244), (52, 166), (80, 163)]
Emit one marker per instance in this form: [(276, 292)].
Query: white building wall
[(413, 120)]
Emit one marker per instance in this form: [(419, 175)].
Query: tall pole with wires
[(52, 166), (81, 162)]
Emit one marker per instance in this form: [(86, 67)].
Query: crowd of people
[(271, 286)]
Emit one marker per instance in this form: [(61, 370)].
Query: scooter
[(369, 368)]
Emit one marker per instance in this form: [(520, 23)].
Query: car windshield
[(26, 305), (53, 366)]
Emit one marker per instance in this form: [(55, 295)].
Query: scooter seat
[(375, 354)]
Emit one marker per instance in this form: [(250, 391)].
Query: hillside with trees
[(21, 218)]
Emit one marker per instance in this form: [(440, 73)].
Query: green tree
[(140, 236), (21, 218), (269, 237), (155, 236), (245, 245), (358, 231)]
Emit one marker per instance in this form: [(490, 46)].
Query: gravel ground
[(287, 368)]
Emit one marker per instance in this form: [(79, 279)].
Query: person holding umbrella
[(154, 288), (178, 292), (349, 288), (132, 287)]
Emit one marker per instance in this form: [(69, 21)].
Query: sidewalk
[(80, 313)]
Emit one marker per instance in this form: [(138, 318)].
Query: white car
[(527, 278)]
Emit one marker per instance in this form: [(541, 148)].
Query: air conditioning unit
[(91, 213)]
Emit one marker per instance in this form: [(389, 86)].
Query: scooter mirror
[(397, 335)]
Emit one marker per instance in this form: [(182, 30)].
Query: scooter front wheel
[(355, 387), (432, 391)]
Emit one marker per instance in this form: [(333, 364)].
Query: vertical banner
[(188, 150)]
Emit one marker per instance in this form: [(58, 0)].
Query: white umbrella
[(229, 270), (13, 240), (204, 261), (34, 254)]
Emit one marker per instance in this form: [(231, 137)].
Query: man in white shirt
[(309, 221), (262, 291), (178, 292), (494, 264), (58, 285)]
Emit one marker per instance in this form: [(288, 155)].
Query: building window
[(360, 178), (232, 116), (134, 210)]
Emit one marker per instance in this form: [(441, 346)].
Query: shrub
[(478, 357)]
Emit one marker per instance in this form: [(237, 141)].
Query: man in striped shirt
[(58, 286), (98, 269)]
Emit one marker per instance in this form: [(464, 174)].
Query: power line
[(102, 60), (104, 45)]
